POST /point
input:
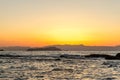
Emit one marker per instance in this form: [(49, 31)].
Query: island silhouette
[(63, 48), (45, 49)]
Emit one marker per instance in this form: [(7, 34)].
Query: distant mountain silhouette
[(15, 48), (87, 48), (63, 47), (44, 49)]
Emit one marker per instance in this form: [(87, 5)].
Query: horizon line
[(62, 45)]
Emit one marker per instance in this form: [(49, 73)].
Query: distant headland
[(62, 48), (45, 49)]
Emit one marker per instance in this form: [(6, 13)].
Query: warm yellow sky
[(49, 22)]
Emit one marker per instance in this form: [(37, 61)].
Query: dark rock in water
[(104, 56), (109, 78), (64, 56), (98, 56), (108, 57), (111, 58), (1, 50), (118, 55), (8, 55), (59, 69), (58, 59), (39, 76), (45, 49)]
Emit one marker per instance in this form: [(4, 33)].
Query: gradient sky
[(49, 22)]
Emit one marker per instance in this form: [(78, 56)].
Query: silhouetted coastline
[(44, 49), (63, 48), (87, 48)]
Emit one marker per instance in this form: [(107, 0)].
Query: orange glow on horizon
[(59, 22)]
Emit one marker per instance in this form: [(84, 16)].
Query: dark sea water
[(46, 66)]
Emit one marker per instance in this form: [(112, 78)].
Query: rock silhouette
[(44, 49), (100, 56), (108, 57), (104, 56), (87, 48), (59, 57), (118, 55), (1, 50)]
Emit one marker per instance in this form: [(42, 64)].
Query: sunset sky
[(51, 22)]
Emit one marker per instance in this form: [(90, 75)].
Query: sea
[(46, 65)]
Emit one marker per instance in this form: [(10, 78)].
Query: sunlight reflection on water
[(65, 69)]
